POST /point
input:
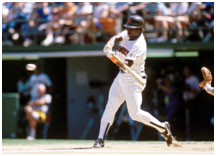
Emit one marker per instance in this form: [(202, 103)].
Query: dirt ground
[(111, 147)]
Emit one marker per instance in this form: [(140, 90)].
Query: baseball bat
[(118, 62)]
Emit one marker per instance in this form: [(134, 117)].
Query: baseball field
[(57, 146)]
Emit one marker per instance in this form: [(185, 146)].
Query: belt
[(123, 72)]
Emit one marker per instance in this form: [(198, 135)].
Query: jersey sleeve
[(47, 80), (122, 35)]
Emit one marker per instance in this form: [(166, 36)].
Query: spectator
[(101, 12), (44, 16), (119, 11), (180, 19), (28, 28), (82, 21), (36, 78), (192, 88), (155, 14), (15, 18), (63, 26), (36, 110), (190, 97), (58, 27), (206, 20), (20, 21), (172, 99), (5, 23), (108, 22), (161, 22)]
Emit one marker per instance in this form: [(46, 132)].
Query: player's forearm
[(38, 102), (108, 48), (113, 40)]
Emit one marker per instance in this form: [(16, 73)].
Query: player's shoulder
[(43, 75), (123, 34), (33, 76), (141, 42)]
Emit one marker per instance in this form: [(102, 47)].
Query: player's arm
[(38, 102), (108, 48), (46, 99), (113, 40)]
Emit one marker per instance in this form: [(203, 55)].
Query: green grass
[(42, 141), (59, 141)]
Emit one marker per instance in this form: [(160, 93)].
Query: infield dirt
[(111, 147)]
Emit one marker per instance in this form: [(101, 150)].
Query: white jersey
[(133, 50)]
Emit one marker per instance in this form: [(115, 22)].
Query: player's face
[(133, 34)]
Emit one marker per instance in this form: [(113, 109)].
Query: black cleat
[(99, 143), (167, 136)]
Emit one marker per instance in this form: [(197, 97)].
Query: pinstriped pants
[(125, 87)]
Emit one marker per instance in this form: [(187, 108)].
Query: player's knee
[(133, 115), (138, 116)]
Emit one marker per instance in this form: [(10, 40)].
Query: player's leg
[(134, 101), (32, 122), (115, 99)]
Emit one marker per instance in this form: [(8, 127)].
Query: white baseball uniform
[(126, 87)]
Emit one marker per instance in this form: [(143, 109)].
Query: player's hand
[(110, 54), (113, 59)]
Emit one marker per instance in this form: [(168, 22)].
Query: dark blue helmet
[(134, 21)]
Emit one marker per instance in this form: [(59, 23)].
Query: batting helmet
[(134, 21)]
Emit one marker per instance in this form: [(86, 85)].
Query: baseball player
[(132, 51), (36, 110)]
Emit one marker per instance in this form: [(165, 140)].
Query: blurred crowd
[(177, 98), (47, 23)]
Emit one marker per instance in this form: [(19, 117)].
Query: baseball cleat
[(99, 143), (167, 136)]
